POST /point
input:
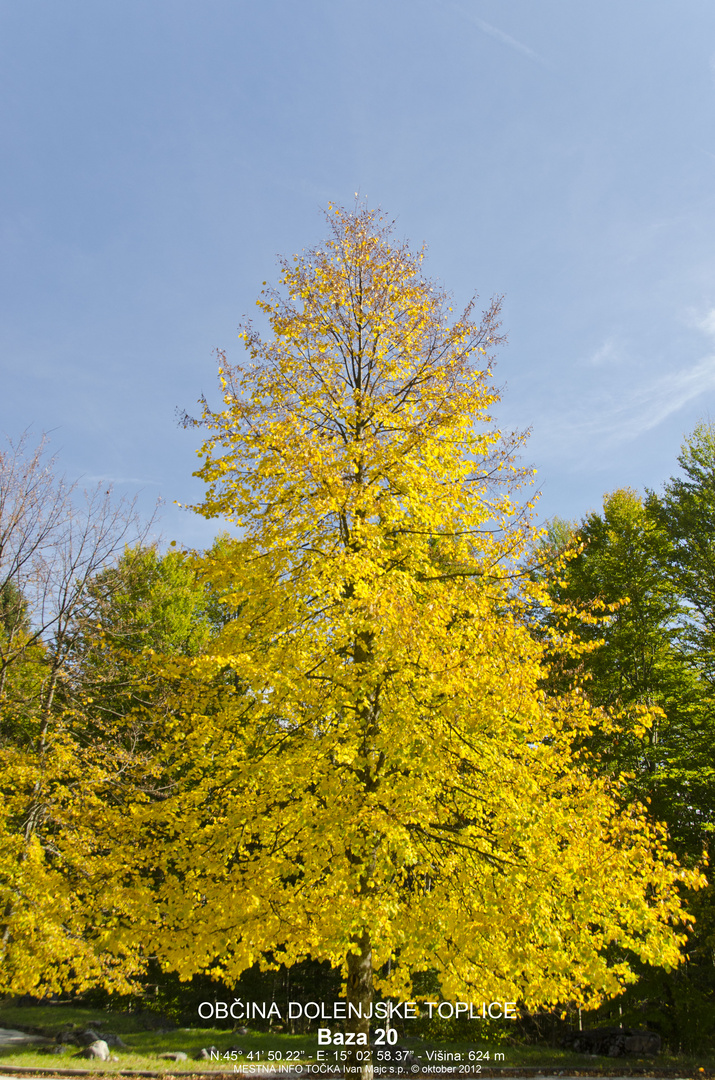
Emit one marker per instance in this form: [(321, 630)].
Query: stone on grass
[(98, 1050)]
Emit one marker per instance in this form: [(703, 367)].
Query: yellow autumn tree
[(373, 775)]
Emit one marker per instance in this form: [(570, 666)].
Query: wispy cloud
[(641, 409), (112, 480), (706, 322), (496, 33), (666, 395), (618, 402), (608, 353)]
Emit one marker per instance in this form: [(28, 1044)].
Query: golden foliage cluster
[(385, 774)]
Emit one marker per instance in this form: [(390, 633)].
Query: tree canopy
[(385, 784)]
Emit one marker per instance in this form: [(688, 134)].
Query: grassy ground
[(262, 1050)]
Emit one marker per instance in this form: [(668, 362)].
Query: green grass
[(145, 1046), (56, 1017)]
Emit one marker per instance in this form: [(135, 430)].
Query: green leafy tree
[(686, 514), (622, 600), (624, 576)]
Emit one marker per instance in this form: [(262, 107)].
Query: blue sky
[(159, 154)]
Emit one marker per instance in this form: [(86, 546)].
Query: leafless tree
[(54, 540)]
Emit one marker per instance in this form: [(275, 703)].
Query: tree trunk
[(359, 994)]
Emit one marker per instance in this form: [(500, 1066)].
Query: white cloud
[(640, 410), (608, 353), (671, 392), (621, 405), (706, 323), (625, 403)]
